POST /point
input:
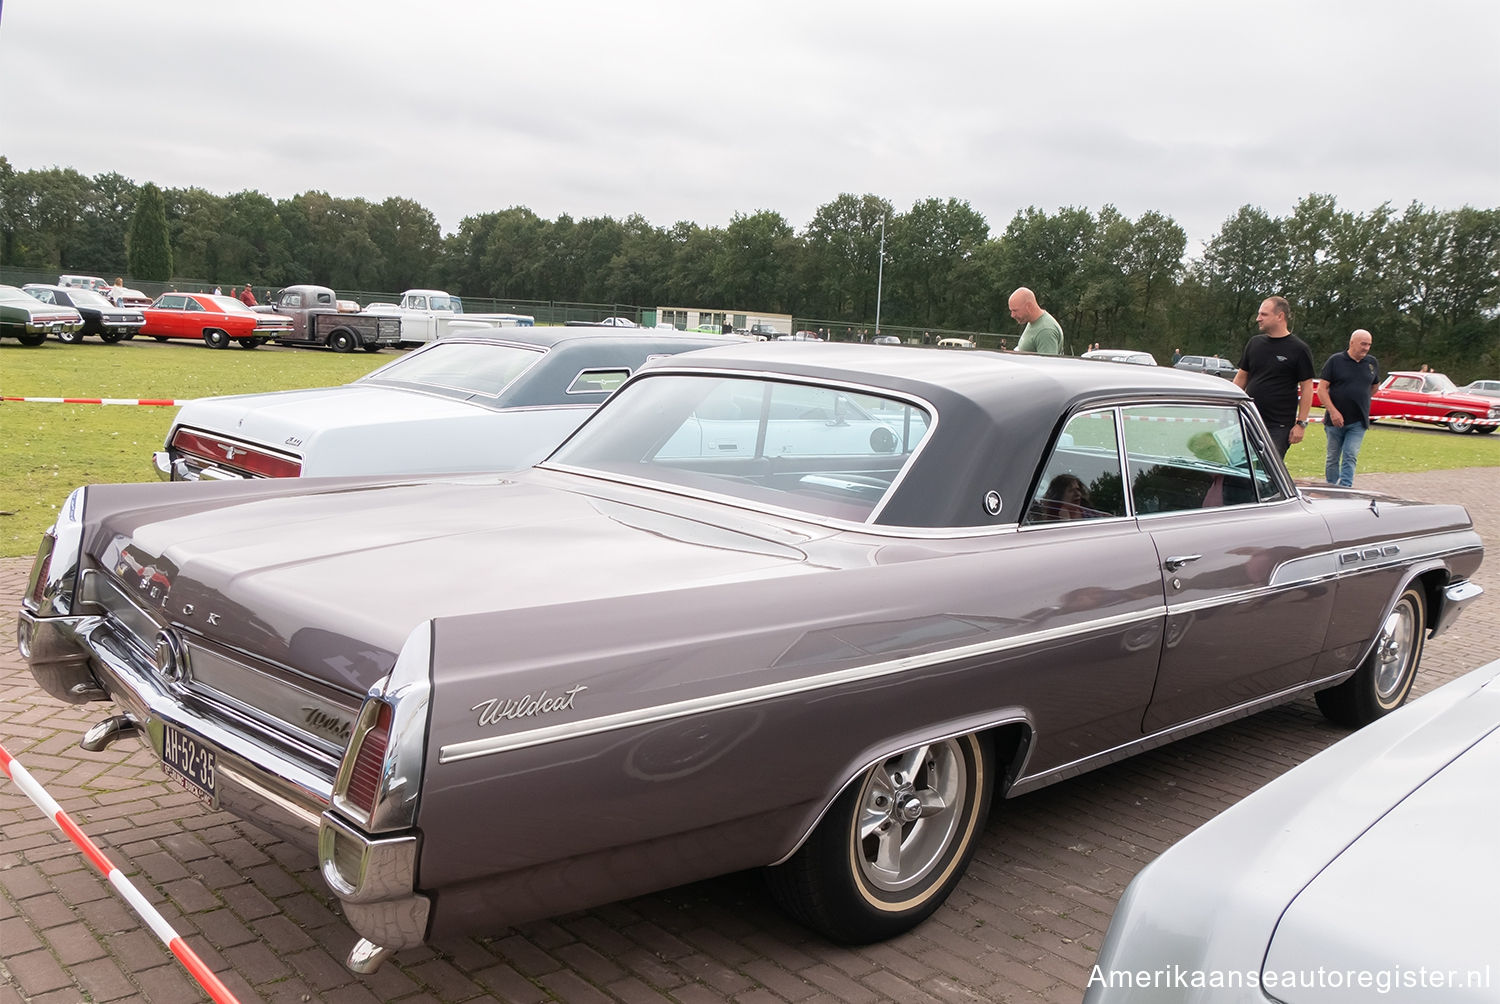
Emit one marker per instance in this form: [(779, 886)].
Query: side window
[(325, 298), (44, 295), (1081, 479), (291, 299), (1184, 457), (172, 301), (598, 381), (192, 304), (1407, 383)]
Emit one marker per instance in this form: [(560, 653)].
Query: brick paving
[(1024, 925)]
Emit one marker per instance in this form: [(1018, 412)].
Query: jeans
[(1343, 450)]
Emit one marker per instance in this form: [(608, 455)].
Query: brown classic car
[(802, 607)]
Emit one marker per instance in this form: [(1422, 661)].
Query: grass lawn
[(46, 450)]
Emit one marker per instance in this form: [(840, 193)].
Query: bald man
[(1042, 333), (1349, 378)]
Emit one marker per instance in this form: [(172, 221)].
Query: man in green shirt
[(1042, 333)]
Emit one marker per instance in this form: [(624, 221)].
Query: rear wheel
[(341, 341), (31, 341), (1483, 430), (160, 338), (1383, 681), (1457, 421), (216, 339), (893, 845)]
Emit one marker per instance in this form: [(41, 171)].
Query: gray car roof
[(998, 412)]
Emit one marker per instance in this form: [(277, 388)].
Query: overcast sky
[(700, 109)]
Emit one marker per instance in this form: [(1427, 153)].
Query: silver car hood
[(1416, 890), (285, 571), (1213, 902)]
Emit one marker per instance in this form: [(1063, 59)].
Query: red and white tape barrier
[(158, 924), (150, 401)]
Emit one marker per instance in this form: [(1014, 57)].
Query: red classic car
[(1429, 397), (216, 319)]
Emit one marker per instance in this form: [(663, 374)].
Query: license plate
[(190, 763)]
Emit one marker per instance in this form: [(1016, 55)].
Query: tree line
[(1425, 281)]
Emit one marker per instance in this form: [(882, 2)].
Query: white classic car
[(1368, 873), (493, 400)]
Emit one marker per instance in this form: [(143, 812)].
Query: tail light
[(241, 457), (369, 758), (381, 774)]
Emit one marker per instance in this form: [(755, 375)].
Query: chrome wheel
[(909, 811), (893, 845), (1459, 422), (1395, 653), (1384, 680)]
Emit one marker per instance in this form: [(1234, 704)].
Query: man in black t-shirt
[(1276, 370), (1349, 378)]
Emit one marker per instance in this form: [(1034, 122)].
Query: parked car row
[(1213, 365), (100, 317), (1431, 398), (29, 320), (803, 607)]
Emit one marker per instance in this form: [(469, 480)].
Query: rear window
[(820, 450), (477, 368)]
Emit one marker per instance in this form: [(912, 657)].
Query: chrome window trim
[(470, 749)]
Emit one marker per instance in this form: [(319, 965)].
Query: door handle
[(1177, 561)]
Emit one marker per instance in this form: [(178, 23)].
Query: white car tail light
[(251, 460)]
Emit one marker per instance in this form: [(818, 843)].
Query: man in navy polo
[(1349, 377)]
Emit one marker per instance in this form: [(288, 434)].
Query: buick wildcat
[(804, 607)]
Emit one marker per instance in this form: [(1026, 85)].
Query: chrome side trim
[(1031, 782), (1354, 559), (455, 752)]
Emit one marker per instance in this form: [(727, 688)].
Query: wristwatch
[(1301, 423)]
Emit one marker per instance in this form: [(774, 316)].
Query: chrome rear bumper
[(79, 659)]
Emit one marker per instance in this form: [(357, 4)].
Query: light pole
[(879, 277)]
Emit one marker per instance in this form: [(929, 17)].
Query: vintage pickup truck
[(428, 314), (317, 320)]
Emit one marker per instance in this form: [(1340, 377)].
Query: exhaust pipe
[(102, 734)]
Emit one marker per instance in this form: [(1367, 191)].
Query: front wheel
[(110, 337), (341, 341), (1383, 681), (216, 339), (1457, 421), (70, 337), (375, 347), (893, 845), (248, 343)]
